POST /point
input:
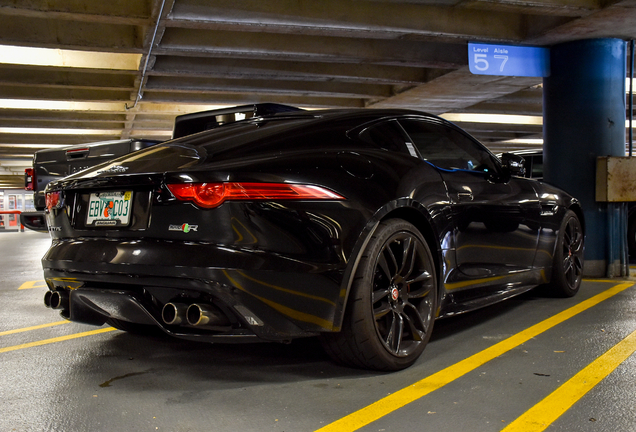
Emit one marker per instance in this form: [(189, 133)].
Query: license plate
[(109, 209)]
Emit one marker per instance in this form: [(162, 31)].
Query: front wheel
[(567, 267), (391, 309)]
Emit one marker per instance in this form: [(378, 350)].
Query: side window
[(447, 148), (388, 135)]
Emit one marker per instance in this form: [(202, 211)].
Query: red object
[(53, 200), (12, 212), (210, 195), (29, 179)]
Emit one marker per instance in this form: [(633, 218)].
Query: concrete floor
[(66, 377)]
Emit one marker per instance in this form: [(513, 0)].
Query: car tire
[(567, 267), (134, 328), (392, 304)]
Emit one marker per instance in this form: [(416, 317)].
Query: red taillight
[(210, 195), (29, 179), (53, 200)]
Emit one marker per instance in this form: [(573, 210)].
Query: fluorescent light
[(147, 107), (18, 163), (60, 105), (68, 58), (60, 131), (493, 118), (533, 141), (18, 147), (151, 132)]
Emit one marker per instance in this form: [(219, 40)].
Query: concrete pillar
[(584, 117)]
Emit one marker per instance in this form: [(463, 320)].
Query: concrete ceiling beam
[(131, 12), (615, 21), (55, 116), (217, 85), (289, 70), (268, 46), (346, 17), (25, 123), (572, 8), (12, 91), (240, 99), (457, 90), (53, 33), (53, 77)]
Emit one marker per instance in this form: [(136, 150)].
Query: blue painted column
[(584, 117)]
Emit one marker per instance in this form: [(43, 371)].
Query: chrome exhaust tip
[(174, 313), (57, 300), (47, 298), (205, 315)]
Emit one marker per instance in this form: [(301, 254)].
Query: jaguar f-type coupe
[(361, 227)]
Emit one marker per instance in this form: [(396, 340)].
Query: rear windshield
[(271, 136)]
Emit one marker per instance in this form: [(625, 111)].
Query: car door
[(495, 217)]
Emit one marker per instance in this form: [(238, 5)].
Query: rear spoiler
[(189, 124)]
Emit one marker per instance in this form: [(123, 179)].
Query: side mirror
[(514, 164)]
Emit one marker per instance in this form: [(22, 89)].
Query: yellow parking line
[(57, 339), (33, 284), (540, 416), (37, 327), (391, 403)]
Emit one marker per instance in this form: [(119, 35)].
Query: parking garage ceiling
[(82, 72)]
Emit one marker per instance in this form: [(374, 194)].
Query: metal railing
[(11, 212)]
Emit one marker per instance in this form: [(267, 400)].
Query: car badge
[(395, 293), (186, 228)]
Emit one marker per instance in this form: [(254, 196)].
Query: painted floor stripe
[(37, 327), (543, 414), (57, 339), (393, 402)]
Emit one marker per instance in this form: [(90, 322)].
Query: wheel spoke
[(394, 334), (425, 275), (379, 294), (397, 331), (384, 266), (384, 263), (419, 293), (567, 264), (408, 258), (381, 310), (416, 324)]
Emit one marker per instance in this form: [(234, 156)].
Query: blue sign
[(508, 60)]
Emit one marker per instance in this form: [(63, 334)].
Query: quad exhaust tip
[(195, 315), (174, 313), (56, 299)]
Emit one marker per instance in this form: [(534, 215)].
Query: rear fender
[(403, 208)]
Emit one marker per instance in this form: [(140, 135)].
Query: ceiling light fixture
[(58, 105), (59, 131), (68, 58), (493, 118)]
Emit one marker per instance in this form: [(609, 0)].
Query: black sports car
[(360, 226)]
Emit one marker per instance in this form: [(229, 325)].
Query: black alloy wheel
[(391, 310), (567, 269)]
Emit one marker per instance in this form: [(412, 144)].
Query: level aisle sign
[(508, 60)]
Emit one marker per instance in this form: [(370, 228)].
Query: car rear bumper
[(263, 295)]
